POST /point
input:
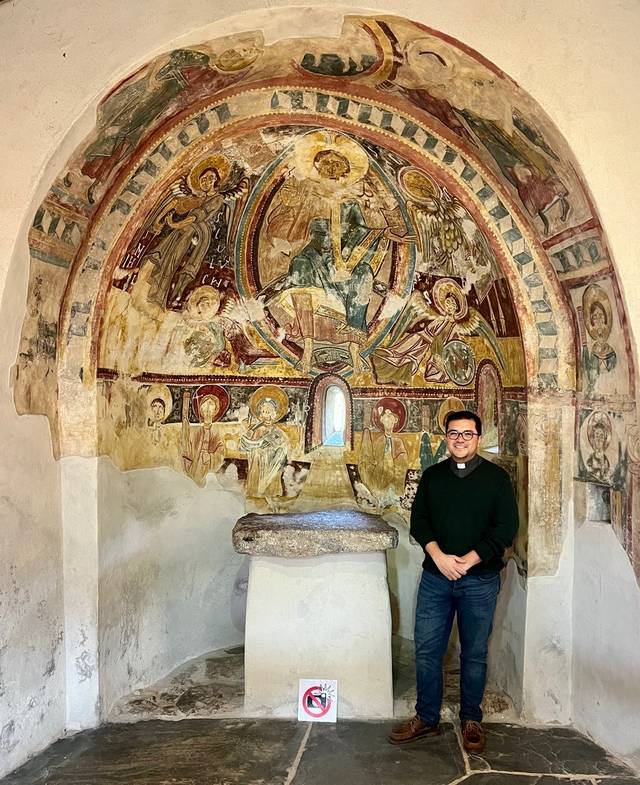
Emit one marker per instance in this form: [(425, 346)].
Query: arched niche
[(484, 151)]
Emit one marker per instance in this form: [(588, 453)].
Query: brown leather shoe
[(411, 730), (472, 736)]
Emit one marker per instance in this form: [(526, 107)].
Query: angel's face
[(208, 180), (206, 307), (450, 305)]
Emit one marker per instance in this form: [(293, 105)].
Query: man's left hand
[(469, 560)]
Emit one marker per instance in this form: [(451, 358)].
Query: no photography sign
[(317, 700)]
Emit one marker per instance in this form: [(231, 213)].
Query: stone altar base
[(324, 616)]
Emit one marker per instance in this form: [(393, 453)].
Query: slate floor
[(190, 729), (270, 752)]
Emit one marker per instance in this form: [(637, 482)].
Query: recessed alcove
[(263, 290)]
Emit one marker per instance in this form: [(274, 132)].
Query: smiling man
[(464, 516)]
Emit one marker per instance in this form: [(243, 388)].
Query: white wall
[(171, 585), (578, 59), (606, 659)]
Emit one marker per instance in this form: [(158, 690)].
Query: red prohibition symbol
[(316, 702)]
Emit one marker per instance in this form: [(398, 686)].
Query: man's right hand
[(452, 567)]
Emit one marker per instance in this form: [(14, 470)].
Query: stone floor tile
[(491, 778), (358, 753), (618, 781), (545, 751), (189, 752)]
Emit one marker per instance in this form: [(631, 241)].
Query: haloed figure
[(157, 410), (202, 447), (265, 444), (463, 517)]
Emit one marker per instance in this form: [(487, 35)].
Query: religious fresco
[(385, 208), (603, 353), (602, 457)]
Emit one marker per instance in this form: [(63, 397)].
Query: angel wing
[(235, 183), (416, 309), (179, 200), (476, 323)]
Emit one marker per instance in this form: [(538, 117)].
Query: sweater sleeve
[(502, 530), (420, 528)]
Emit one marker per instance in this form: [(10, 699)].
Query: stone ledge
[(312, 533)]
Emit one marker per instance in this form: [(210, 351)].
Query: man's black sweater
[(477, 512)]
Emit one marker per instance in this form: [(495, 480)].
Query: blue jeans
[(473, 599)]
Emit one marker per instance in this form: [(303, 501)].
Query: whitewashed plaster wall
[(171, 585), (32, 656), (578, 59), (606, 619)]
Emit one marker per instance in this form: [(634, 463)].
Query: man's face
[(332, 165), (460, 449)]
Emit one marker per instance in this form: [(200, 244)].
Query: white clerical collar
[(461, 465)]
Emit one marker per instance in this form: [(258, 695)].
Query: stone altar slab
[(312, 533), (317, 607)]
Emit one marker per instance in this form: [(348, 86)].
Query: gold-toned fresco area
[(252, 437), (385, 208), (331, 255)]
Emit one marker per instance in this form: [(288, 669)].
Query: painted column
[(548, 636)]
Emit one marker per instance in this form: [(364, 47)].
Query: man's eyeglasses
[(466, 435)]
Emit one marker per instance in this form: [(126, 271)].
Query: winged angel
[(422, 333), (448, 240), (192, 222)]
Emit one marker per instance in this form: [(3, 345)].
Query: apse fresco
[(251, 226)]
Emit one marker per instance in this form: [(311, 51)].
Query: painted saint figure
[(265, 444), (202, 448), (206, 345), (599, 436), (598, 321), (383, 457), (159, 407)]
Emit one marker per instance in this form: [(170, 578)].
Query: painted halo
[(270, 392), (393, 405), (210, 391), (592, 296), (162, 392), (196, 296), (218, 162), (418, 186), (447, 287), (451, 404), (310, 145)]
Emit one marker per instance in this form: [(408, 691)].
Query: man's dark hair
[(463, 415)]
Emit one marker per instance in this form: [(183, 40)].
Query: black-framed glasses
[(466, 435)]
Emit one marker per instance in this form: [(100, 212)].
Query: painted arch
[(387, 206)]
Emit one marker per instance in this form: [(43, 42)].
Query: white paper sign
[(317, 700)]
